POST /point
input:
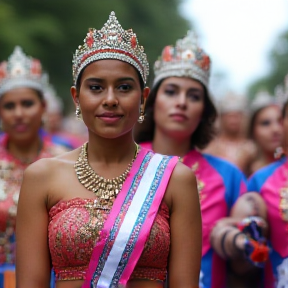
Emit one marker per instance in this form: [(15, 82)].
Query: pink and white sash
[(128, 226)]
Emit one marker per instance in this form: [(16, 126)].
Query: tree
[(52, 30)]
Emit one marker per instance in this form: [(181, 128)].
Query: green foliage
[(52, 30), (279, 68)]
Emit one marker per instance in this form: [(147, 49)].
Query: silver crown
[(281, 92), (263, 99), (232, 102), (186, 59), (110, 42), (20, 71), (54, 103)]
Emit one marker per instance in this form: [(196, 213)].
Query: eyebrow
[(189, 89), (102, 80)]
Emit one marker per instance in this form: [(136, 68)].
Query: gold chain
[(105, 189)]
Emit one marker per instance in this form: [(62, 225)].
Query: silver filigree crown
[(186, 59), (110, 42), (54, 102), (263, 99), (20, 71), (281, 92), (232, 102)]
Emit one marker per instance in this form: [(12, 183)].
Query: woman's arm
[(226, 238), (186, 231), (33, 261)]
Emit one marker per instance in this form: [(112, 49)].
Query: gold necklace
[(105, 189)]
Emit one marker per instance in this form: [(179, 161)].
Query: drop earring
[(78, 112), (141, 117)]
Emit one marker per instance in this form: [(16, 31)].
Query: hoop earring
[(78, 112), (141, 117)]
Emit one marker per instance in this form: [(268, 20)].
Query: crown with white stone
[(20, 71), (53, 102), (263, 99), (281, 92), (186, 59), (232, 102), (110, 42)]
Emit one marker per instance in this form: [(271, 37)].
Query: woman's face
[(109, 97), (21, 112), (268, 131), (179, 106)]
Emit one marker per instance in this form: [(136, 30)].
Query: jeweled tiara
[(110, 42)]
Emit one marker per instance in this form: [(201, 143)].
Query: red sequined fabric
[(11, 175), (74, 226)]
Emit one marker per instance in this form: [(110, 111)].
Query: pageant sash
[(128, 226)]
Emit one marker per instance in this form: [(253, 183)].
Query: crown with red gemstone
[(20, 71), (186, 59), (111, 42)]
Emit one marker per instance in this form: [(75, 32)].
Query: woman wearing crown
[(21, 110), (179, 120), (271, 183), (126, 227), (265, 129)]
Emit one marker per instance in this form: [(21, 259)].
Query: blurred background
[(248, 40)]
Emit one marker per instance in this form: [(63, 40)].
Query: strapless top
[(74, 228)]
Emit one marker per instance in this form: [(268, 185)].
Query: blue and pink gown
[(271, 182), (219, 184)]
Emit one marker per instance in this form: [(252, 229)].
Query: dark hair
[(285, 106), (142, 85), (203, 134), (252, 121)]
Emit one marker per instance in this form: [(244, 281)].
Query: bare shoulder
[(45, 167), (182, 183)]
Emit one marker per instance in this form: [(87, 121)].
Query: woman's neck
[(167, 145), (109, 151), (25, 152), (267, 157)]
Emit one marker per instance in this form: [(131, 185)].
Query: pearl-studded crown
[(111, 42), (20, 71), (186, 59)]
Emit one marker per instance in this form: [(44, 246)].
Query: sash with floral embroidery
[(128, 226)]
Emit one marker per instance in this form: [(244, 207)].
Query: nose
[(110, 99), (18, 111), (182, 101)]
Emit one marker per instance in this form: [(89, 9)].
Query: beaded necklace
[(105, 189)]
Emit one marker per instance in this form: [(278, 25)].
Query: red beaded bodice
[(74, 227)]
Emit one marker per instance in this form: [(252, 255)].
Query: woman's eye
[(265, 123), (124, 87), (194, 97), (170, 92), (9, 106), (95, 87), (27, 103)]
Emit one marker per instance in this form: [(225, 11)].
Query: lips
[(109, 117), (179, 117), (21, 127)]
